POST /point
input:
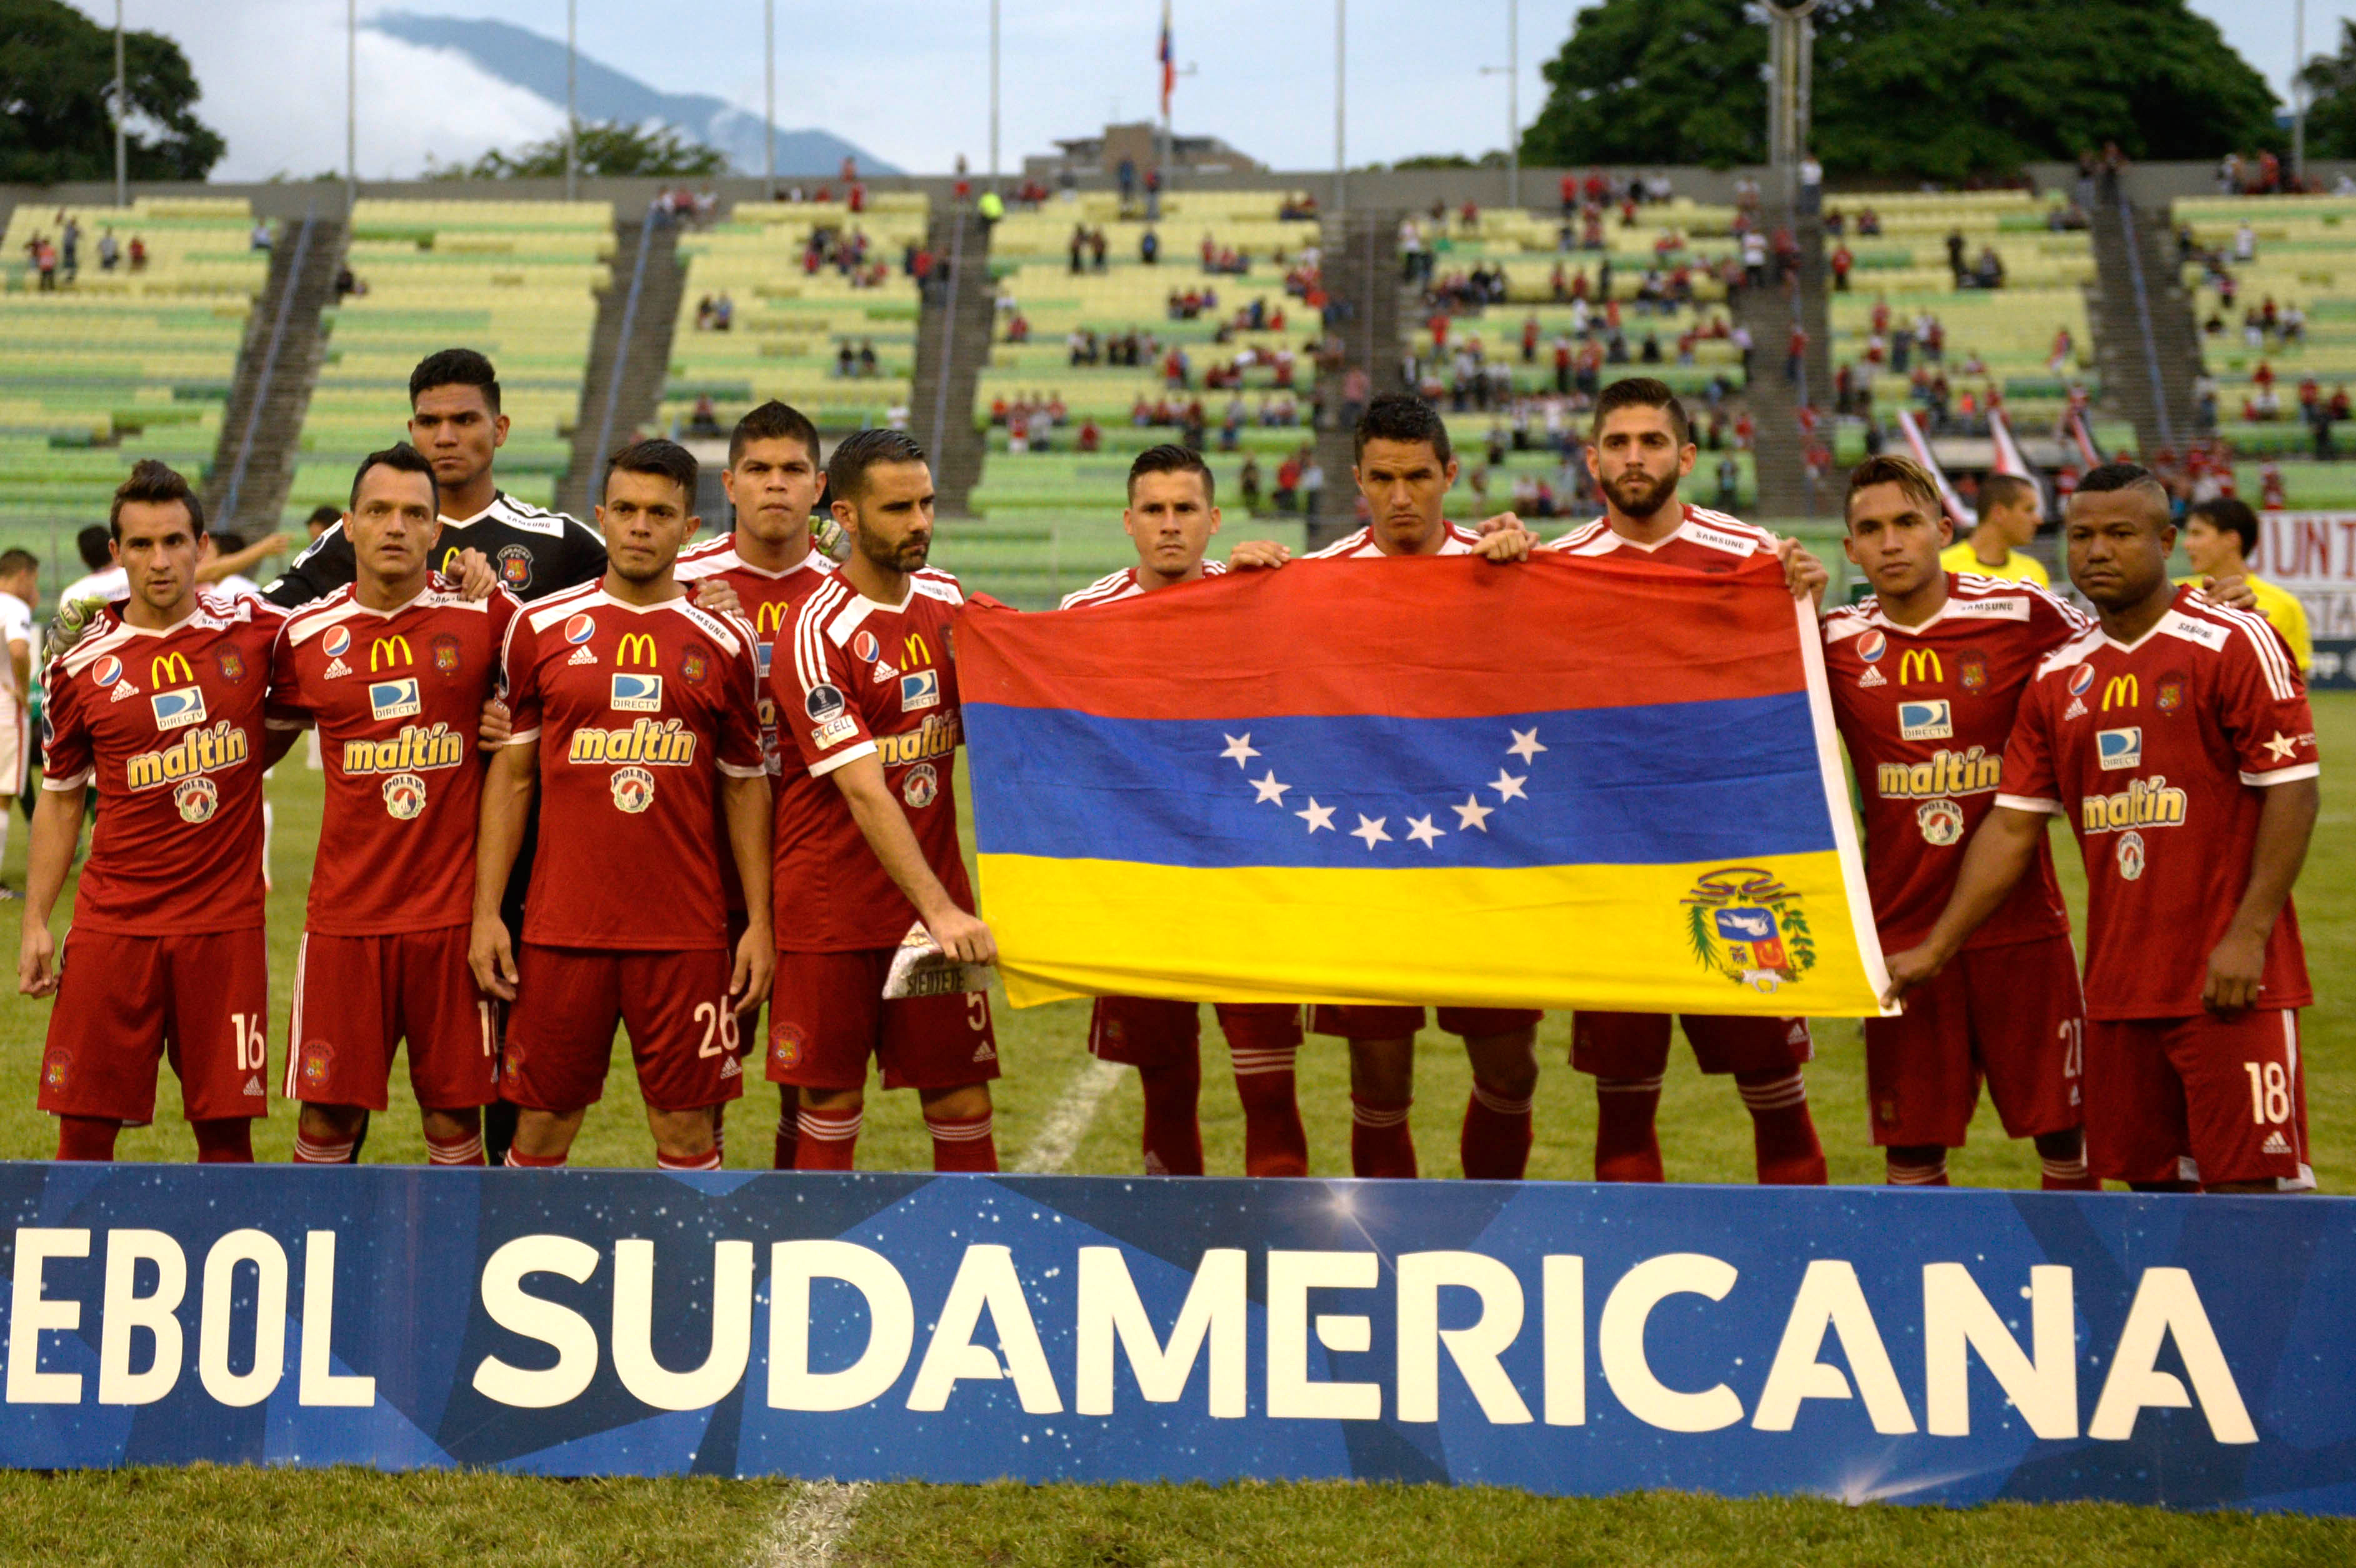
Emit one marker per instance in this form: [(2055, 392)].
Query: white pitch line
[(1052, 1148), (807, 1534)]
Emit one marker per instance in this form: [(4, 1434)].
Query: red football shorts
[(1149, 1032), (356, 998), (568, 1000), (1355, 1021), (2200, 1099), (828, 1016), (2012, 1014), (201, 1000), (1636, 1045)]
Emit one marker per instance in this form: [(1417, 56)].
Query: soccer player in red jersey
[(637, 720), (1640, 446), (160, 707), (768, 557), (867, 838), (1170, 518), (2177, 740), (1925, 678), (1405, 469), (393, 668)]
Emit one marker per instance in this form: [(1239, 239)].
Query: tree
[(601, 148), (1943, 90), (56, 94), (2331, 102)]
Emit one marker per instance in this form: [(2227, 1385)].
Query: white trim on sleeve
[(2030, 803), (826, 764), (2282, 775)]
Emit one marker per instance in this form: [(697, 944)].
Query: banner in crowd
[(1948, 1346), (2313, 555), (1421, 780)]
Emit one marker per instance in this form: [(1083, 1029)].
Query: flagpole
[(122, 114), (351, 105), (769, 83), (993, 94), (1169, 65), (1341, 119), (572, 112)]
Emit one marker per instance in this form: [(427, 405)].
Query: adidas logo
[(2276, 1144), (1798, 1036), (729, 1068), (985, 1052), (253, 1086), (336, 669), (1872, 677), (2076, 710), (582, 656), (123, 689)]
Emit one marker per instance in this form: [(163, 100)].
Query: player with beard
[(1170, 518), (1639, 445)]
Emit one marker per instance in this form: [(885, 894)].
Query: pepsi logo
[(338, 642), (2081, 678), (867, 648), (580, 628), (107, 671), (1872, 645)]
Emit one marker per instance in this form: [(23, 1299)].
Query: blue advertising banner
[(1858, 1343)]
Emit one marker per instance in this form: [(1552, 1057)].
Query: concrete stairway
[(953, 335), (1362, 275), (262, 427), (2146, 340), (629, 354), (1774, 400)]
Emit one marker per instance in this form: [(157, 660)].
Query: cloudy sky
[(910, 79)]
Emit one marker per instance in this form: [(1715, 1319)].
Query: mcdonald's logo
[(636, 648), (2121, 689), (169, 669), (1922, 664), (393, 650), (914, 653), (770, 618)]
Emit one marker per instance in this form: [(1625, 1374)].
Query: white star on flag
[(1472, 814), (1420, 830), (1240, 748), (1507, 787), (1525, 744), (1317, 816), (1372, 832), (2281, 747), (1270, 789)]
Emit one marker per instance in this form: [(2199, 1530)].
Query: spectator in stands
[(44, 262), (110, 252), (1248, 483), (844, 360), (70, 247), (322, 519), (704, 421), (1149, 248), (1312, 483), (1091, 437), (138, 254), (867, 364), (723, 311), (260, 238)]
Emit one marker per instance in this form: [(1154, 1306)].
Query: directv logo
[(637, 694), (919, 690), (2116, 748), (1925, 721), (395, 699), (178, 708)]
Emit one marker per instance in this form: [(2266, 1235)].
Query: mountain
[(537, 65)]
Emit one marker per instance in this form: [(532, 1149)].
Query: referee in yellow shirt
[(2219, 537), (2008, 519)]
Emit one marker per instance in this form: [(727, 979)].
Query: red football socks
[(964, 1144), (1627, 1146), (465, 1151), (1495, 1143), (826, 1139), (1917, 1172), (789, 1137), (226, 1141), (323, 1152), (707, 1161), (1174, 1131), (1380, 1143), (519, 1160), (2066, 1171), (1782, 1133), (87, 1137), (1275, 1144)]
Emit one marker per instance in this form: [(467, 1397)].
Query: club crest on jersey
[(865, 649), (404, 797), (2081, 679), (446, 654), (693, 666), (179, 708), (919, 690), (2130, 856), (637, 694), (786, 1043), (922, 787), (2171, 694), (515, 567), (1942, 823), (395, 699), (822, 703), (107, 671), (1743, 923), (197, 800), (1972, 671), (2119, 748), (1925, 721), (580, 628), (1871, 645), (231, 664), (318, 1058), (54, 1071), (338, 642), (634, 789)]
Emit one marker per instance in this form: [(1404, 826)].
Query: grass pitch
[(208, 1515)]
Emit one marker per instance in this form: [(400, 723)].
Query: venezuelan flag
[(1559, 783)]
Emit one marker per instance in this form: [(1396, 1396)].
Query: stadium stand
[(515, 279), (107, 365)]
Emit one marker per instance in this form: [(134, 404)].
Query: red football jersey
[(638, 709), (866, 679), (1926, 711), (2157, 754), (1359, 543), (170, 725), (771, 600), (1115, 586), (398, 696), (1705, 541)]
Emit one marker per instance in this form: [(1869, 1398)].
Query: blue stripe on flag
[(1634, 786)]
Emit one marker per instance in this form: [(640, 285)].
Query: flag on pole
[(2010, 460), (2083, 438), (1169, 62), (1553, 784), (1920, 447)]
